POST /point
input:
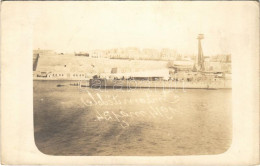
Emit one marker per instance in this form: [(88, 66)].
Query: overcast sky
[(82, 26)]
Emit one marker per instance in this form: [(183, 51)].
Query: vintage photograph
[(129, 79)]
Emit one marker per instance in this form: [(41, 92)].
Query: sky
[(83, 26)]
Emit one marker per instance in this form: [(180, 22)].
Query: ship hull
[(135, 84)]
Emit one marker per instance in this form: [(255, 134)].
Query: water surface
[(144, 122)]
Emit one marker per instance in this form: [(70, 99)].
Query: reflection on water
[(72, 121)]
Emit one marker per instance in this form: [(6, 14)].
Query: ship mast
[(200, 62)]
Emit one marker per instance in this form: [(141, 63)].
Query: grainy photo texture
[(133, 80)]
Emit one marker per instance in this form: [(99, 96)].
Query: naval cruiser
[(198, 78)]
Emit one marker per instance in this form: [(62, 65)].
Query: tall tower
[(200, 62), (35, 61)]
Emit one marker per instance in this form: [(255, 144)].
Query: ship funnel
[(200, 61)]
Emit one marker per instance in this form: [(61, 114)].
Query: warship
[(198, 78)]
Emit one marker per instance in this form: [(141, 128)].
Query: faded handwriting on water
[(122, 117), (100, 105), (110, 100)]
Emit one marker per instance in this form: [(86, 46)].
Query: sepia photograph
[(125, 79), (130, 83)]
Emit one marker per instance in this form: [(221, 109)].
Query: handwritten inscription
[(122, 117), (109, 100), (102, 103)]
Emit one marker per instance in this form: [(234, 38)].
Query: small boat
[(60, 85)]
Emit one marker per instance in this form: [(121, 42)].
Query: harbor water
[(69, 120)]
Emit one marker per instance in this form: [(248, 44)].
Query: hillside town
[(48, 64)]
